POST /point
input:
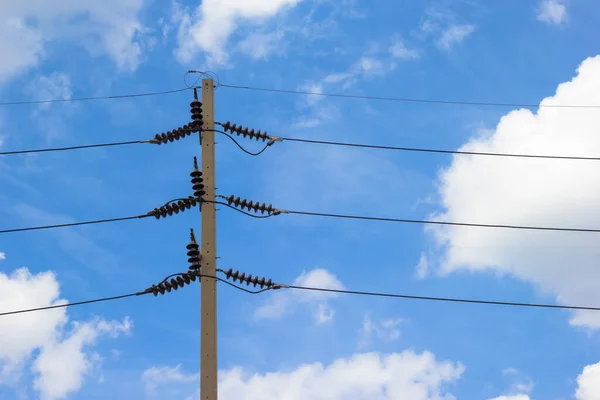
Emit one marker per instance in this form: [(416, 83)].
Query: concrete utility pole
[(208, 286)]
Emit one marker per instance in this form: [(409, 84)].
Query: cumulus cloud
[(387, 330), (531, 192), (443, 28), (362, 377), (209, 28), (260, 45), (588, 383), (61, 351), (422, 268), (285, 301), (379, 60), (400, 51), (50, 117), (454, 35), (157, 377), (62, 364), (111, 27), (56, 85), (552, 12)]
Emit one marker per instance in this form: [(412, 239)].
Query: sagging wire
[(201, 74), (240, 146), (262, 282), (246, 132)]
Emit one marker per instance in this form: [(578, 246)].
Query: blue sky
[(291, 345)]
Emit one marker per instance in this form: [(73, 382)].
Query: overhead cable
[(71, 304), (237, 275), (426, 150), (90, 98), (409, 100), (158, 139), (170, 208), (240, 204), (445, 299), (434, 222)]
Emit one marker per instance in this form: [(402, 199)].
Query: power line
[(240, 204), (312, 141), (275, 286), (432, 222), (425, 150), (86, 146), (72, 304), (445, 299), (409, 100), (89, 98), (99, 221), (246, 132), (158, 139)]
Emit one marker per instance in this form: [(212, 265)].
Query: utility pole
[(208, 286)]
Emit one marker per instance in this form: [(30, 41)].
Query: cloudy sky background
[(298, 345)]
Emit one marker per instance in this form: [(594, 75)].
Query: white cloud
[(387, 330), (260, 45), (362, 377), (513, 397), (588, 383), (552, 12), (453, 35), (521, 383), (2, 256), (532, 192), (209, 28), (399, 50), (155, 377), (57, 85), (63, 357), (61, 365), (109, 27), (443, 27), (286, 300), (422, 267)]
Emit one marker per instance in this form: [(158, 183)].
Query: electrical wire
[(86, 146), (113, 144), (89, 98), (445, 299), (409, 100), (238, 210), (239, 145), (72, 304), (431, 222), (100, 221), (424, 150), (414, 297), (312, 141), (235, 286)]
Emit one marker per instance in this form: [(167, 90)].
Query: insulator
[(197, 180), (241, 276), (244, 131), (174, 207), (250, 205), (173, 284), (196, 110), (193, 252), (171, 136)]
